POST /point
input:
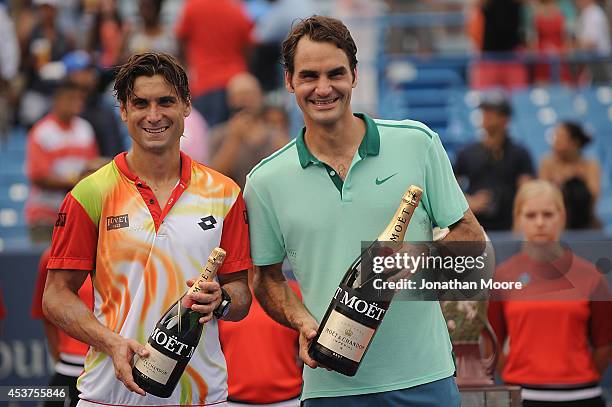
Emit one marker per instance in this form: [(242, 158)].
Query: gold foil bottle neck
[(413, 195), (217, 256)]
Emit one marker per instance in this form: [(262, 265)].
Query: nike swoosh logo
[(380, 181)]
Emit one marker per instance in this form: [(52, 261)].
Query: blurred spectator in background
[(215, 36), (501, 37), (550, 38), (102, 117), (474, 26), (59, 148), (491, 170), (150, 35), (246, 138), (107, 34), (9, 52), (557, 349), (9, 58), (592, 27), (195, 141), (273, 374), (593, 35), (70, 18), (502, 25), (67, 352), (2, 310), (25, 18), (269, 32), (45, 43), (277, 118), (578, 177)]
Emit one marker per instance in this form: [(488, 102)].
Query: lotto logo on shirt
[(117, 222), (61, 219)]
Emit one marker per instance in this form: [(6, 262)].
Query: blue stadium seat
[(12, 163), (411, 90), (17, 243), (427, 97), (604, 210), (594, 102), (15, 142), (431, 116), (9, 177), (14, 232), (14, 191), (432, 78)]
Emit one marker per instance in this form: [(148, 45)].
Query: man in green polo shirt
[(336, 185)]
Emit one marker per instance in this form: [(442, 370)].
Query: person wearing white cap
[(80, 69)]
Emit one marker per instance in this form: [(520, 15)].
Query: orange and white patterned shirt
[(141, 255)]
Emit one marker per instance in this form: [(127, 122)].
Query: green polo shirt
[(300, 208)]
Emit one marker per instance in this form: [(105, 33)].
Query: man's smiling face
[(154, 114), (322, 82)]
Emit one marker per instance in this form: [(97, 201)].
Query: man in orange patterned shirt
[(146, 223)]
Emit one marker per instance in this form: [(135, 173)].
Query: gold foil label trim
[(345, 336), (157, 366)]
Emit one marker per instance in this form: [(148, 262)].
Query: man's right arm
[(63, 307), (283, 305)]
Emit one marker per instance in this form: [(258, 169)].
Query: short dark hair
[(151, 64), (320, 29), (157, 5), (577, 132), (496, 100)]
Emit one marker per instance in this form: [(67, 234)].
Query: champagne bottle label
[(345, 336), (174, 339), (349, 299), (157, 366), (357, 310)]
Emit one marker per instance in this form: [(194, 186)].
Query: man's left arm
[(237, 287), (209, 298), (467, 229), (233, 274), (444, 201)]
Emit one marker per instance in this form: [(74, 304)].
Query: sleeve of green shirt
[(443, 198), (267, 245)]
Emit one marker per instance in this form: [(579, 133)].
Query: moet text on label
[(171, 343), (370, 310)]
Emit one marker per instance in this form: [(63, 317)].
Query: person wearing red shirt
[(215, 36), (262, 359), (59, 148), (559, 346), (550, 39), (68, 353)]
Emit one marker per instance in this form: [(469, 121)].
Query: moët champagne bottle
[(357, 309), (174, 339)]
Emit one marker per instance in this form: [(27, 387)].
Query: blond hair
[(535, 188)]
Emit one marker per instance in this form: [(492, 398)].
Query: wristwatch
[(224, 306)]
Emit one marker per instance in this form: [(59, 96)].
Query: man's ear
[(187, 111), (123, 112), (288, 84), (355, 77)]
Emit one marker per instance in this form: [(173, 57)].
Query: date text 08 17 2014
[(33, 393)]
